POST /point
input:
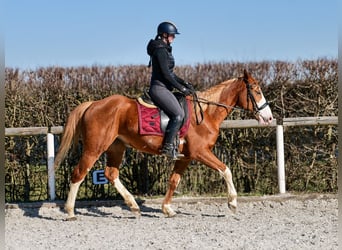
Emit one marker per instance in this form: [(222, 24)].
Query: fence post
[(50, 162), (280, 159)]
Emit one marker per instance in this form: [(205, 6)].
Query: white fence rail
[(297, 121)]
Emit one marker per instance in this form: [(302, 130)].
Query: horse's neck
[(224, 93)]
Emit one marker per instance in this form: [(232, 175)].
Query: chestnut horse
[(111, 124)]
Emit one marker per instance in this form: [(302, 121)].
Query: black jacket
[(163, 63)]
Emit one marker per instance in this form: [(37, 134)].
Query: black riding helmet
[(167, 27)]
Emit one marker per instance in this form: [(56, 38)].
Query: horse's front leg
[(175, 178), (232, 195), (209, 159)]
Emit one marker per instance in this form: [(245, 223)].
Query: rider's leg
[(169, 138), (167, 101)]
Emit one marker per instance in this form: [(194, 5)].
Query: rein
[(205, 101), (196, 99), (199, 100)]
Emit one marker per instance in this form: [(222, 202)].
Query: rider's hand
[(186, 91), (189, 86)]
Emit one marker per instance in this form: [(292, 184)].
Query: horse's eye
[(257, 90)]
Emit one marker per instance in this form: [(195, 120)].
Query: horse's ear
[(245, 75)]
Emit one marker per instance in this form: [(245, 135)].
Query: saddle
[(153, 120)]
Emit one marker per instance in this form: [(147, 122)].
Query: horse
[(110, 125)]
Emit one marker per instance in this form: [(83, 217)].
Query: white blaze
[(265, 115)]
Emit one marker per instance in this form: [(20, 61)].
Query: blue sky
[(40, 33)]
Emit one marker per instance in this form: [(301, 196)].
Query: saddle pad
[(149, 121)]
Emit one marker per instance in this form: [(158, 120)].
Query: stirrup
[(171, 152), (173, 156)]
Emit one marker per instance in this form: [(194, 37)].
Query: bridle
[(256, 109), (250, 97)]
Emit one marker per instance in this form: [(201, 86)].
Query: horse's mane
[(213, 94)]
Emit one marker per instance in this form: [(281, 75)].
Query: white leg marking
[(70, 203), (232, 195), (168, 211), (166, 208), (128, 197)]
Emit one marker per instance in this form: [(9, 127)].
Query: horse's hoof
[(232, 208), (171, 215), (136, 212), (71, 218), (168, 211)]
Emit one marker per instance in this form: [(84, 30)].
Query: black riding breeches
[(166, 101)]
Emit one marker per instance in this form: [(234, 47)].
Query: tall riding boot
[(169, 148)]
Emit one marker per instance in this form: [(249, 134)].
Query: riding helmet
[(167, 27)]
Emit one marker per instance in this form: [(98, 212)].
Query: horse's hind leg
[(80, 171), (114, 158)]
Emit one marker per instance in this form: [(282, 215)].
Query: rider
[(163, 81)]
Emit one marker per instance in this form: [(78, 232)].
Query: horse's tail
[(71, 132)]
